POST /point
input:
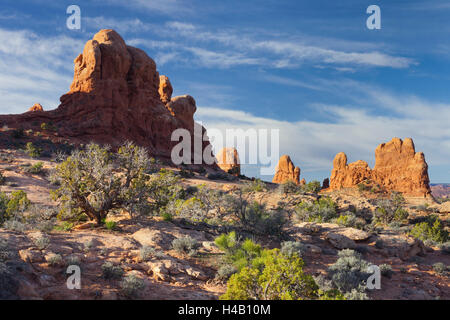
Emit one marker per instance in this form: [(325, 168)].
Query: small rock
[(340, 241)]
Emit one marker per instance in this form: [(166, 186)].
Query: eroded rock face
[(346, 175), (165, 89), (116, 96), (286, 171), (398, 167), (36, 107), (228, 160)]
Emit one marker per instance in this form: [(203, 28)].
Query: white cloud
[(34, 69)]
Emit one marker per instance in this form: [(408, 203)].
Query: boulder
[(401, 246), (340, 241)]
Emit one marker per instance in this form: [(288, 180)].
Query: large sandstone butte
[(116, 95), (398, 167), (286, 171), (228, 160)]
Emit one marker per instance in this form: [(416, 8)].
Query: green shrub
[(225, 272), (2, 178), (110, 271), (47, 127), (146, 253), (55, 260), (163, 188), (239, 254), (132, 285), (349, 219), (12, 205), (349, 272), (278, 278), (386, 270), (312, 187), (37, 168), (256, 185), (390, 210), (289, 187), (111, 225), (440, 268), (186, 245), (32, 151), (432, 229), (321, 210), (42, 243), (290, 248), (65, 226)]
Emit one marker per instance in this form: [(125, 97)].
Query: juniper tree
[(95, 181)]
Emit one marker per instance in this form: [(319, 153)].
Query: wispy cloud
[(34, 69), (161, 6), (290, 52), (120, 25)]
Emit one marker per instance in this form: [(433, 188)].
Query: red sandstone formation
[(398, 167), (228, 160), (36, 107), (165, 89), (285, 171), (116, 95)]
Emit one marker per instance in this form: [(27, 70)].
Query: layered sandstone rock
[(36, 107), (286, 171), (116, 95), (398, 167), (228, 160), (346, 175)]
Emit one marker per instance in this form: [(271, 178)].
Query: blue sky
[(308, 68)]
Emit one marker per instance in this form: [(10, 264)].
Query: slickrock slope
[(116, 95), (228, 160), (286, 171), (398, 167)]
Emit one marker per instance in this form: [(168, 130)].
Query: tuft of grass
[(186, 245)]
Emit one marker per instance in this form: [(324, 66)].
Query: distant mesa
[(286, 171), (398, 167), (117, 94), (36, 107), (228, 161)]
